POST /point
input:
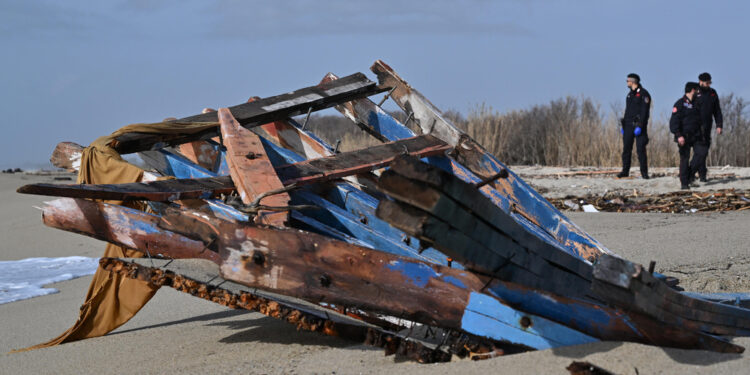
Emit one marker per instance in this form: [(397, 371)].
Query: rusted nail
[(325, 280), (363, 219), (450, 262), (258, 258), (502, 174), (336, 148), (388, 95), (251, 155), (307, 117), (651, 266), (408, 118)]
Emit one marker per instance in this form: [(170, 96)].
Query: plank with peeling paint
[(319, 269), (359, 161), (122, 226), (251, 171), (480, 255), (451, 196), (258, 112), (524, 199), (623, 283), (374, 120)]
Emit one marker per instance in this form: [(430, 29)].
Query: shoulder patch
[(646, 99)]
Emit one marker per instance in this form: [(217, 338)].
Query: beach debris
[(425, 244), (674, 202)]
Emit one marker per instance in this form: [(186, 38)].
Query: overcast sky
[(74, 70)]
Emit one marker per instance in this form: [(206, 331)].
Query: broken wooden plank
[(122, 226), (371, 118), (628, 285), (523, 198), (364, 160), (67, 155), (344, 207), (259, 112), (319, 269), (158, 191), (605, 322), (202, 280), (460, 195), (251, 171), (204, 153), (503, 260)]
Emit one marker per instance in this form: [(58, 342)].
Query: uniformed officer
[(708, 102), (685, 124), (634, 123)]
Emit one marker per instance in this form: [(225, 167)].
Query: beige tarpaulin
[(113, 299)]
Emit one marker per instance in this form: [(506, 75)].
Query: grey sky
[(74, 70)]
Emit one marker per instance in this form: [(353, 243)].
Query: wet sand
[(179, 333)]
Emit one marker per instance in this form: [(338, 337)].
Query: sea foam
[(26, 278)]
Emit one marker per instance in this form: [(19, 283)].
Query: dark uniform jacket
[(685, 120), (637, 108), (708, 101)]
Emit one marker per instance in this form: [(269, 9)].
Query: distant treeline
[(572, 131)]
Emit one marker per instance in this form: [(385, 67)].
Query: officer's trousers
[(686, 166), (628, 138), (698, 163)]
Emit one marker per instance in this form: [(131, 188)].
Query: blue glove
[(622, 131), (637, 131)]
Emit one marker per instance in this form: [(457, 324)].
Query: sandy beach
[(179, 333)]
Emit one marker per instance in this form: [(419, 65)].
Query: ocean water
[(26, 278)]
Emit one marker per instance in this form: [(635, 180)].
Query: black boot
[(623, 174)]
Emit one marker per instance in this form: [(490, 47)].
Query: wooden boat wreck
[(426, 244)]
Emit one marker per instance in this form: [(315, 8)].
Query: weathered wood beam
[(67, 155), (501, 258), (203, 281), (259, 112), (122, 226), (300, 173), (628, 285), (456, 195), (319, 269), (157, 191), (359, 161), (524, 200), (251, 171)]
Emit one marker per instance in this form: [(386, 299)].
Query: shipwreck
[(425, 245)]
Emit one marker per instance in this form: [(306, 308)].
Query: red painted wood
[(250, 168)]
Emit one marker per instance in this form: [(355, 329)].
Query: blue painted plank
[(501, 322)]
